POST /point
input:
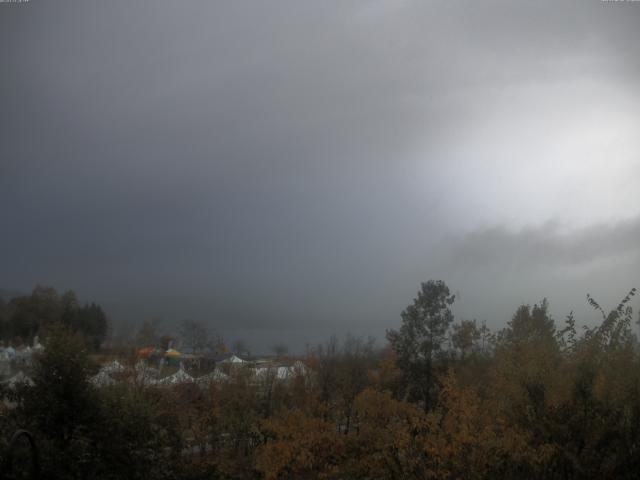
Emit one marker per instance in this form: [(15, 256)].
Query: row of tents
[(149, 376), (110, 373), (174, 357)]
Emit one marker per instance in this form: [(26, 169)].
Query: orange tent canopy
[(145, 351)]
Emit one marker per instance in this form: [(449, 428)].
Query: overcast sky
[(284, 170)]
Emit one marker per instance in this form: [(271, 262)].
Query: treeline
[(24, 317), (443, 400)]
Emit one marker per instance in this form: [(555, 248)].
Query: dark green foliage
[(81, 432), (27, 316), (466, 336), (31, 313), (62, 404), (139, 435), (530, 325), (421, 336), (4, 319), (88, 320)]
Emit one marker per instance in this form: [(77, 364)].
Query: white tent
[(113, 367), (233, 359), (213, 377), (279, 373), (102, 379), (298, 368), (37, 346), (23, 355), (177, 378), (19, 378), (144, 374)]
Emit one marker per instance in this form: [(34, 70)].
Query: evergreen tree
[(423, 331)]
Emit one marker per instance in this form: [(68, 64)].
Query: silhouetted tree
[(32, 312), (423, 331), (240, 347), (195, 334), (280, 350), (148, 333), (465, 336)]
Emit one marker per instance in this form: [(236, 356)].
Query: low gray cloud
[(547, 245), (498, 268)]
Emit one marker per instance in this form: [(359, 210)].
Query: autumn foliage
[(535, 400)]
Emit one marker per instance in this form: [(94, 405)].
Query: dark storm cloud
[(291, 165)]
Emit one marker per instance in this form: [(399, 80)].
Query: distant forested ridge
[(22, 317), (6, 295)]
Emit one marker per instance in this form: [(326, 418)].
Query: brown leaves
[(298, 446)]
